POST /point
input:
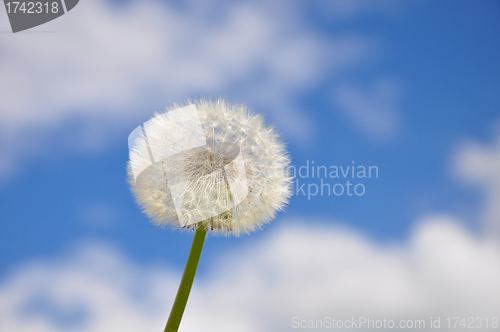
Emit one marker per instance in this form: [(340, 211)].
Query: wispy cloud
[(478, 164), (373, 110)]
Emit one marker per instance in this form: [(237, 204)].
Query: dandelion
[(208, 166)]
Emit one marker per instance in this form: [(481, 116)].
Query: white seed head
[(209, 164)]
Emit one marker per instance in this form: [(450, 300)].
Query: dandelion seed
[(209, 164)]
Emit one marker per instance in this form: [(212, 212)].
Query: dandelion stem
[(175, 317)]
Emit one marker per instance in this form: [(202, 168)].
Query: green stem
[(187, 281)]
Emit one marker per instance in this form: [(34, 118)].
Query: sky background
[(411, 87)]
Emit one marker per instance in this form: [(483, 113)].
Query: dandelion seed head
[(209, 164)]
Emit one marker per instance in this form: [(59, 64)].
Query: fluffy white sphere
[(209, 164)]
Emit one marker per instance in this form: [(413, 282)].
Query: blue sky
[(410, 87)]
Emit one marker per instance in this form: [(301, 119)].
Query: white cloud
[(112, 64), (374, 110), (298, 271), (479, 164), (97, 284)]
